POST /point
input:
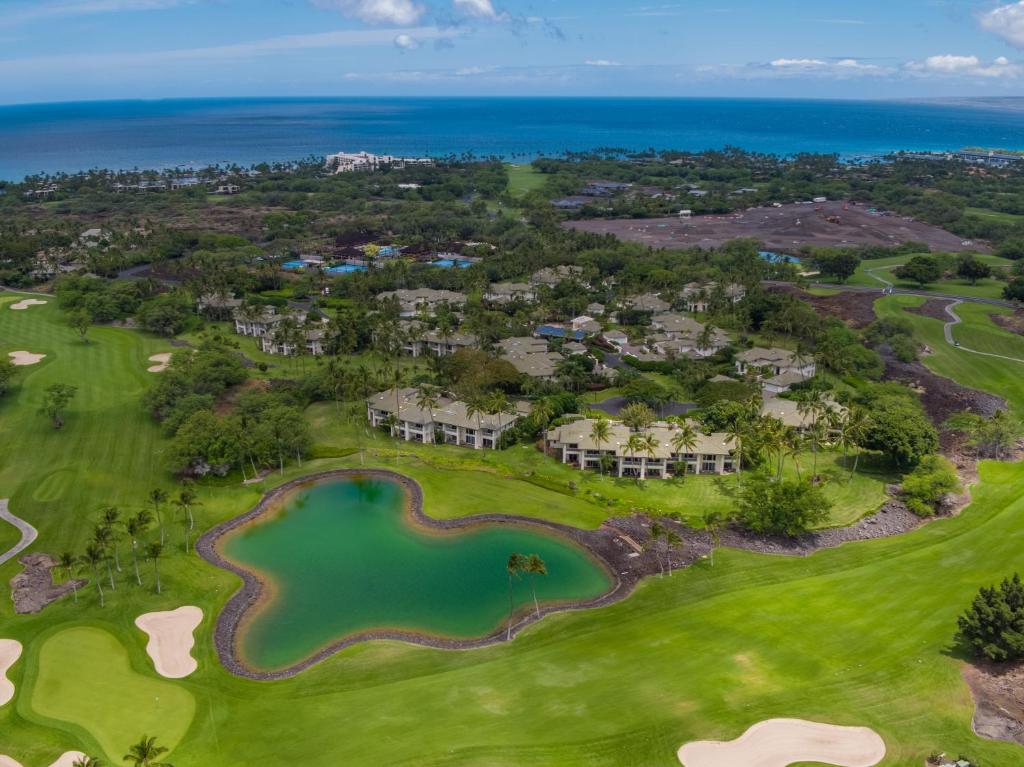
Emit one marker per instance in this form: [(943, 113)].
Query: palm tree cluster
[(145, 753), (101, 556), (517, 565)]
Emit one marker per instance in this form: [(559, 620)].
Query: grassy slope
[(1005, 379), (523, 179), (1005, 218), (858, 635), (988, 288)]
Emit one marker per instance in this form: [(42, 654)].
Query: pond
[(345, 557)]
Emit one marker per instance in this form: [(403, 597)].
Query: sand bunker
[(10, 651), (781, 742), (161, 361), (171, 641), (23, 305), (67, 759), (21, 359)]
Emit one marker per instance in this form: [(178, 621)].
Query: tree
[(112, 521), (840, 263), (684, 440), (899, 428), (153, 553), (920, 269), (56, 398), (7, 373), (926, 485), (80, 321), (788, 507), (91, 560), (87, 761), (514, 567), (535, 566), (67, 562), (167, 314), (970, 267), (713, 524), (135, 527), (990, 437), (1014, 290), (658, 532), (102, 537), (158, 496), (672, 540), (852, 424), (146, 753), (993, 626), (637, 416), (600, 432)]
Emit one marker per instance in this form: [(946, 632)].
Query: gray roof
[(448, 411), (579, 433)]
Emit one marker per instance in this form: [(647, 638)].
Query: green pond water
[(343, 558)]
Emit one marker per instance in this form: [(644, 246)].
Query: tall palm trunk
[(156, 569), (135, 561), (533, 588), (110, 576), (99, 586)]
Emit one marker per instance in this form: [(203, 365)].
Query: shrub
[(993, 626), (788, 507), (924, 487)]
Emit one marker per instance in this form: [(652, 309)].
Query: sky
[(69, 50)]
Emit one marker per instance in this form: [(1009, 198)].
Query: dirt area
[(940, 396), (1012, 322), (33, 588), (933, 308), (228, 400), (855, 309), (998, 694), (783, 229)]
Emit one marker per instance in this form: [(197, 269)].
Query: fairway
[(876, 273), (523, 179), (85, 680)]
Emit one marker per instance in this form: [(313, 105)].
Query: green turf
[(994, 215), (882, 267), (84, 679), (1002, 378), (523, 179), (859, 635)]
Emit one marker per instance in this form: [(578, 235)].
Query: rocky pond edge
[(620, 545)]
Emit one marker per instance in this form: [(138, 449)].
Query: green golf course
[(857, 635)]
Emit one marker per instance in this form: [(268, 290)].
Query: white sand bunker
[(23, 305), (20, 359), (161, 361), (781, 742), (67, 759), (10, 651), (171, 641)]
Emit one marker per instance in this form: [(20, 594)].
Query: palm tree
[(157, 496), (186, 500), (67, 562), (91, 560), (542, 412), (145, 753), (535, 566), (601, 433), (102, 536), (112, 519), (153, 553), (811, 404), (515, 566), (853, 425), (672, 539), (713, 524), (684, 440), (136, 526), (634, 445), (657, 533), (427, 397), (87, 761), (735, 434), (476, 406), (637, 416)]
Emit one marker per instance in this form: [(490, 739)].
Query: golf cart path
[(28, 533), (954, 321)]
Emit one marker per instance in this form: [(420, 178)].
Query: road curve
[(28, 533), (953, 322)]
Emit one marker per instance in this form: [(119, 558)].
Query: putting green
[(85, 679)]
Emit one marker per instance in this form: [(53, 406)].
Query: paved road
[(28, 533), (954, 321)]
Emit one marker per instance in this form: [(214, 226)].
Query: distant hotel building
[(348, 162)]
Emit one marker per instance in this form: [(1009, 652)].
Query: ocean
[(70, 137)]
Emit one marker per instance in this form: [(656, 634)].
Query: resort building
[(530, 356), (446, 422), (574, 444), (774, 362), (648, 302), (683, 336), (554, 275), (698, 296), (420, 341), (413, 303), (509, 292), (788, 411), (365, 162), (275, 336)]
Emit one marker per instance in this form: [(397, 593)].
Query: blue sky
[(59, 50)]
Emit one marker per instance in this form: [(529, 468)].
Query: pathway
[(954, 321), (28, 533), (903, 292)]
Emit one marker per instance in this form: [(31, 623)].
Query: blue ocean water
[(160, 134)]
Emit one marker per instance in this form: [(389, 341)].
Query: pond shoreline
[(603, 545)]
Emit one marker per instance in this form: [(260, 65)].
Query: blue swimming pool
[(294, 265), (448, 263), (345, 269), (778, 258)]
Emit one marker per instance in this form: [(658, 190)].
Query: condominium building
[(423, 300), (774, 362), (266, 324)]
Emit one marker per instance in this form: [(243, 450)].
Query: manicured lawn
[(882, 267), (84, 679), (860, 635), (994, 215), (523, 179), (1003, 378)]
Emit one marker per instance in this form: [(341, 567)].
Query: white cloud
[(406, 42), (481, 9), (841, 69), (23, 13), (400, 12), (1007, 21), (950, 65), (801, 63), (602, 63)]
